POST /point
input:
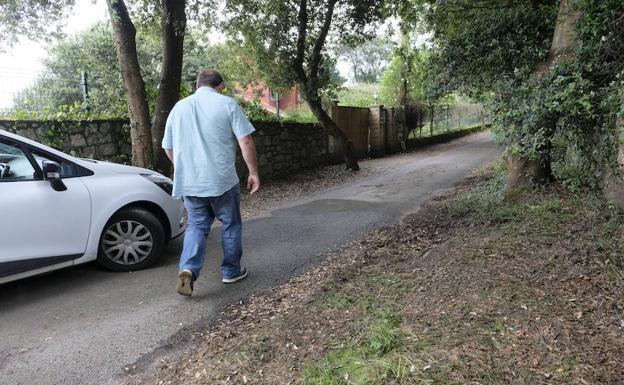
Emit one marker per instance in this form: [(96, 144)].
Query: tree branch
[(315, 59), (301, 41)]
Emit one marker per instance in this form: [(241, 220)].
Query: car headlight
[(161, 181)]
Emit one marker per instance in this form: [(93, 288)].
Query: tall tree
[(125, 41), (368, 60), (404, 81), (290, 42), (549, 72), (406, 59), (490, 47), (173, 23), (526, 171), (145, 135)]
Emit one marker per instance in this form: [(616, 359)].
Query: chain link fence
[(14, 80), (424, 120), (30, 91)]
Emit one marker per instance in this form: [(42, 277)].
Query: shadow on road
[(71, 279)]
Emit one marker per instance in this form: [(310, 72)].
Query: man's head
[(210, 78)]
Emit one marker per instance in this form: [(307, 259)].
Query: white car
[(57, 210)]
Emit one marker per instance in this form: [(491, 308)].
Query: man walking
[(200, 139)]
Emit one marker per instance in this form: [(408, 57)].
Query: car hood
[(113, 168)]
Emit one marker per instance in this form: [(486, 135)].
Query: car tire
[(133, 239)]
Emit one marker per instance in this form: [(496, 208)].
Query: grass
[(365, 292), (551, 211), (378, 353), (478, 289), (299, 115), (385, 350), (358, 95), (379, 349)]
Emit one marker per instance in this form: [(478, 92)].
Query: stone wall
[(283, 148), (286, 148), (97, 139)]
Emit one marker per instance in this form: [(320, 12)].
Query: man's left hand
[(253, 183)]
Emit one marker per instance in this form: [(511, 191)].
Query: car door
[(38, 225)]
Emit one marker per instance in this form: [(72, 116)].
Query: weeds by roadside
[(552, 212), (472, 290)]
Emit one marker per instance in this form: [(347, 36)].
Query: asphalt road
[(83, 325)]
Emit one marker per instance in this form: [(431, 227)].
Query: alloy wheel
[(127, 242)]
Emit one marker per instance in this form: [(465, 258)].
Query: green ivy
[(572, 109), (63, 112), (299, 116), (568, 115), (255, 112)]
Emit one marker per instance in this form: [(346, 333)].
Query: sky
[(20, 65)]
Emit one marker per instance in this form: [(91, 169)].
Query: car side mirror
[(52, 173)]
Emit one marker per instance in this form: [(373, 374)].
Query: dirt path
[(470, 290)]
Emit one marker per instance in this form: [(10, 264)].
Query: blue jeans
[(201, 213)]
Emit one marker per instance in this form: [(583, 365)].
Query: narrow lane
[(82, 325)]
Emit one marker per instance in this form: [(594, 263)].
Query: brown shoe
[(185, 283)]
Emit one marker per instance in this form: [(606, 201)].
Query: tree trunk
[(421, 117), (564, 38), (173, 24), (125, 41), (308, 83), (403, 94), (524, 172), (406, 69), (614, 179), (431, 116), (328, 124)]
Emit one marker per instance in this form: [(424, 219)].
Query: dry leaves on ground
[(479, 302)]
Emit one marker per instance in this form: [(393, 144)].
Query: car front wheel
[(133, 239)]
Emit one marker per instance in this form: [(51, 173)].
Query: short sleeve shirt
[(202, 130)]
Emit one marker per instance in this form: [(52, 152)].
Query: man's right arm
[(169, 153), (248, 149)]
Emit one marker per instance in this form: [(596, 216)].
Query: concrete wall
[(282, 148)]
